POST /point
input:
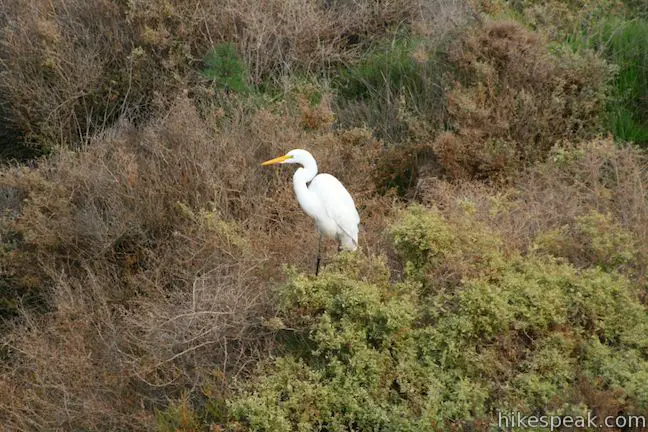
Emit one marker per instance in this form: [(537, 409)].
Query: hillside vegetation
[(154, 277)]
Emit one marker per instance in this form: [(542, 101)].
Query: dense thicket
[(154, 276)]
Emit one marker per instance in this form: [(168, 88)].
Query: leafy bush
[(504, 332), (225, 69), (397, 85), (638, 6), (565, 20), (586, 203), (401, 76), (600, 211), (595, 239)]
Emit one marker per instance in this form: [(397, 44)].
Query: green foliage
[(428, 244), (393, 82), (549, 370), (508, 332), (225, 69), (384, 69), (624, 43), (619, 33), (363, 370), (625, 371), (183, 416), (178, 417), (638, 7), (593, 239), (422, 237)]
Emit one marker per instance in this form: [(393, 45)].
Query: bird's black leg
[(319, 256)]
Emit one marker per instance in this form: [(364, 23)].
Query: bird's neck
[(308, 171), (306, 198)]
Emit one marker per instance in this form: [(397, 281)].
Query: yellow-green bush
[(586, 203), (594, 239), (365, 351)]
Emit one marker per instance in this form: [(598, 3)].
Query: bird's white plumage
[(323, 198), (339, 207)]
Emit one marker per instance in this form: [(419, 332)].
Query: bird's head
[(297, 156)]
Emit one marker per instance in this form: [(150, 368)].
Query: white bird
[(326, 200)]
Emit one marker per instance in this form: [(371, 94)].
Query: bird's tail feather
[(348, 243)]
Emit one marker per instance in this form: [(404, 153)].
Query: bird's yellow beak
[(276, 160)]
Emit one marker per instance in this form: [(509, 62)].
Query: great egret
[(326, 200)]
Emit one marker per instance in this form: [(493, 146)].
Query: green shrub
[(360, 365), (178, 417), (623, 371), (587, 204), (564, 20), (624, 43), (390, 67), (366, 352), (225, 69), (620, 34), (638, 6), (391, 87), (422, 237), (428, 246), (594, 239)]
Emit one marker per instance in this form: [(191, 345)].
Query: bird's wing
[(337, 203)]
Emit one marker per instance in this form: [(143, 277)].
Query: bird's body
[(339, 218), (323, 198)]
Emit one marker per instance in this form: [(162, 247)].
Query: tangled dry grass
[(595, 185), (70, 69), (153, 250), (514, 100)]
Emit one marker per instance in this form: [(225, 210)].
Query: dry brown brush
[(587, 204), (71, 68), (153, 253), (513, 100)]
